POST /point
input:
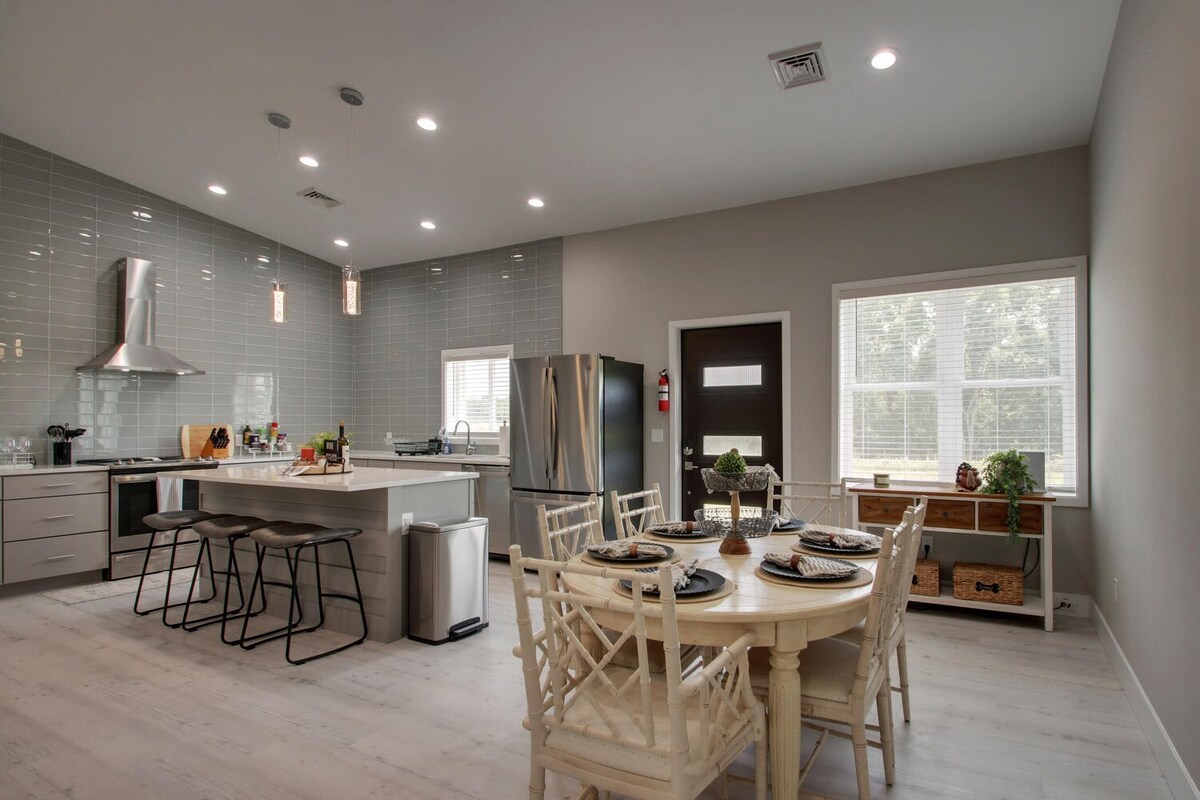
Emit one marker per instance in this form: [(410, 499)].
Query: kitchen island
[(382, 502)]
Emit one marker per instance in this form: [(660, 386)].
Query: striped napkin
[(627, 548), (811, 566), (846, 540), (681, 572), (669, 528)]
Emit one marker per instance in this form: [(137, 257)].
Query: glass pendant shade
[(278, 301), (351, 292)]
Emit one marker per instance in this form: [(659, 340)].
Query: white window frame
[(465, 354), (1074, 267)]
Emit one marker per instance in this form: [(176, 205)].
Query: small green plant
[(1007, 473), (731, 463), (317, 442)]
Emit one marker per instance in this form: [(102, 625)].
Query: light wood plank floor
[(96, 704)]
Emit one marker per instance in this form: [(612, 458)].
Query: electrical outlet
[(1061, 601), (927, 544), (406, 519)]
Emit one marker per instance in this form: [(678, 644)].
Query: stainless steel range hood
[(135, 350)]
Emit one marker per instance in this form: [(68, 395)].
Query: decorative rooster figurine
[(966, 479)]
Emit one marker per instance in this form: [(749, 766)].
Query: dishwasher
[(492, 501)]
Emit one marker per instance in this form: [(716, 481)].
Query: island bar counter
[(383, 502)]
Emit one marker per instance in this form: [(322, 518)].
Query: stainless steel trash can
[(447, 579)]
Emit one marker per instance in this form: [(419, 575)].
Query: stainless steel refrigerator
[(576, 433)]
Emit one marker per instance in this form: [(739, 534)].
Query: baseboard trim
[(1178, 779)]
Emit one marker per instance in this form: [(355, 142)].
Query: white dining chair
[(566, 530), (811, 501), (627, 729), (839, 679), (636, 510)]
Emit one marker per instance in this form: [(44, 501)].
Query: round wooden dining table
[(782, 618)]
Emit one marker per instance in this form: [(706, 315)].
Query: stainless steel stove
[(133, 493)]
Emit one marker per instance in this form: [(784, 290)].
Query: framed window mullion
[(951, 372)]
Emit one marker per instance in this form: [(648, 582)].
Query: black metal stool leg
[(170, 570), (232, 573), (250, 642), (321, 595)]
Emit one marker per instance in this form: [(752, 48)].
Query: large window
[(937, 370), (475, 389)]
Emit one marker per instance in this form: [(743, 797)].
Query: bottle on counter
[(273, 434), (343, 442), (246, 435)]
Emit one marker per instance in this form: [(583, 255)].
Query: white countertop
[(490, 460), (360, 479), (46, 468)]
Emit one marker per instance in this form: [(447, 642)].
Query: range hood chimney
[(135, 350)]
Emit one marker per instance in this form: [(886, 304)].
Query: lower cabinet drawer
[(58, 555), (887, 510), (54, 516)]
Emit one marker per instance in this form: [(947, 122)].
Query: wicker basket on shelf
[(927, 578), (989, 583)]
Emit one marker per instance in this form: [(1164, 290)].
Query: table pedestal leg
[(783, 715)]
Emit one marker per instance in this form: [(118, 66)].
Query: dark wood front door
[(730, 395)]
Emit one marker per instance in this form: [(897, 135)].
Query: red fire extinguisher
[(664, 392)]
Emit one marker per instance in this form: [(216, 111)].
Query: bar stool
[(162, 522), (230, 529), (292, 538)]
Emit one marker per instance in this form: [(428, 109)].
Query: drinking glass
[(8, 445), (25, 445)]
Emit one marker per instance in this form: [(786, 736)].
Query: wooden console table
[(972, 514)]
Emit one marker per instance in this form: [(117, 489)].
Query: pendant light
[(278, 287), (351, 277)]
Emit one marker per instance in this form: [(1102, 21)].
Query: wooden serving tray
[(322, 469)]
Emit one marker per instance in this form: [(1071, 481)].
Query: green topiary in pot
[(731, 463), (1007, 473)]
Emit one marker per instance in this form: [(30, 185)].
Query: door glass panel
[(746, 445), (738, 375)]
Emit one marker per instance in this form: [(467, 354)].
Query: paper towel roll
[(503, 439)]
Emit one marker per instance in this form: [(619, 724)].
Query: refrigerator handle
[(553, 404), (547, 440)]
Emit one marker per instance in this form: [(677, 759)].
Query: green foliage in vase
[(731, 463), (1007, 473)]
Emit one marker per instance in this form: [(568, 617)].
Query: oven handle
[(144, 478)]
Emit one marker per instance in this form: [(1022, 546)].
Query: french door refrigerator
[(576, 433)]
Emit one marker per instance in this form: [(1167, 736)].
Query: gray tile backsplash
[(411, 312), (62, 228)]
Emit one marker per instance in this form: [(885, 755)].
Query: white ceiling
[(614, 111)]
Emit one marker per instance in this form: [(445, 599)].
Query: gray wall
[(213, 310), (1145, 340), (411, 312), (622, 287)]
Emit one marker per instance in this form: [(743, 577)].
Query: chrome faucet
[(470, 444)]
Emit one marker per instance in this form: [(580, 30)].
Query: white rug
[(73, 595)]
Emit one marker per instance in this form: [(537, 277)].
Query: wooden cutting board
[(193, 440)]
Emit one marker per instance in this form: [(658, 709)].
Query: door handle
[(56, 485), (60, 558), (60, 516), (687, 465)]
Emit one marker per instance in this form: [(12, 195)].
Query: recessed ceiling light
[(883, 59), (341, 242), (215, 189), (309, 161), (264, 259), (426, 123), (536, 202), (428, 224)]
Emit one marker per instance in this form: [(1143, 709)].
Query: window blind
[(928, 379), (475, 389)]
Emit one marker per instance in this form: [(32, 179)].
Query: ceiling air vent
[(312, 193), (799, 66)]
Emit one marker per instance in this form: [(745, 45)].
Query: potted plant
[(1007, 473)]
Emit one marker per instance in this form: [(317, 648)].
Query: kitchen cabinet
[(970, 514), (53, 523)]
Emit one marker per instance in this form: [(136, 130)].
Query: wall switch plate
[(656, 435)]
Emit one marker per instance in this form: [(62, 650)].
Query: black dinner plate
[(703, 582), (787, 573), (790, 525), (636, 559), (834, 550)]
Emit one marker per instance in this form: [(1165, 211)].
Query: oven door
[(132, 497)]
